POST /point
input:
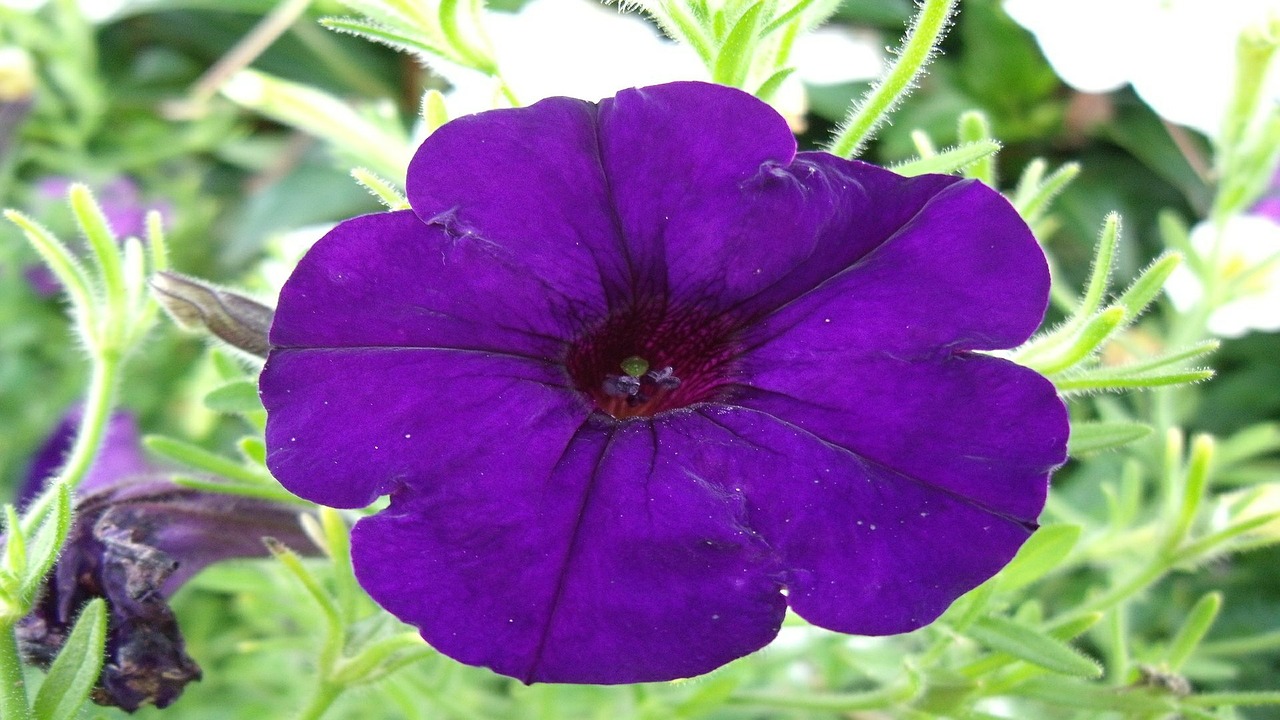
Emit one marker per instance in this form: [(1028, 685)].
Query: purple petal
[(612, 563), (389, 281), (526, 184), (361, 422), (868, 549), (693, 199), (962, 272), (977, 426)]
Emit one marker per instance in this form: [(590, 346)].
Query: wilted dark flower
[(136, 538), (638, 376)]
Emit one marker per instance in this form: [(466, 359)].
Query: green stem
[(926, 31), (13, 688), (103, 377), (320, 703)]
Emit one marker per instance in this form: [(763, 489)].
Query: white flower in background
[(1179, 55), (588, 50), (1247, 243)]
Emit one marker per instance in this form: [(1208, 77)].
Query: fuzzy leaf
[(74, 672), (1029, 644), (1090, 437)]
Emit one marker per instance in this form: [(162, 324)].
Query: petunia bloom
[(638, 376), (136, 538)]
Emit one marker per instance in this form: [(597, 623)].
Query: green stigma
[(635, 366)]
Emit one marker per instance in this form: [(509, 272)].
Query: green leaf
[(1090, 436), (975, 127), (1033, 199), (1029, 644), (1148, 285), (201, 459), (44, 544), (394, 37), (1039, 555), (769, 87), (1080, 696), (1193, 630), (1091, 335), (75, 671), (734, 58), (950, 160), (238, 396), (1109, 380)]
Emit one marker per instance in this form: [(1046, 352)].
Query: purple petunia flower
[(638, 376), (136, 538)]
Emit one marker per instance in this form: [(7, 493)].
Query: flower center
[(650, 359)]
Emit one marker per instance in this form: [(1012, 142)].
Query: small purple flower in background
[(135, 539), (121, 203), (638, 376)]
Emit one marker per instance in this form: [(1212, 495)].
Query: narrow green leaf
[(925, 147), (791, 13), (253, 449), (47, 540), (384, 190), (64, 265), (734, 58), (1028, 183), (1102, 381), (1195, 480), (1169, 359), (75, 671), (927, 29), (974, 127), (1103, 263), (1148, 285), (1086, 341), (434, 112), (769, 87), (237, 396), (950, 160), (1033, 204), (102, 242), (242, 489), (1092, 436), (156, 242), (474, 57), (1033, 646), (293, 563), (1039, 555), (402, 39), (15, 544), (1080, 696), (201, 459), (683, 24), (1193, 630)]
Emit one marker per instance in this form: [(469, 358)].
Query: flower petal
[(609, 565), (388, 280), (976, 426), (361, 422), (868, 550), (723, 212), (527, 184), (963, 272)]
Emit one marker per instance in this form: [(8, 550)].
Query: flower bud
[(234, 319)]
